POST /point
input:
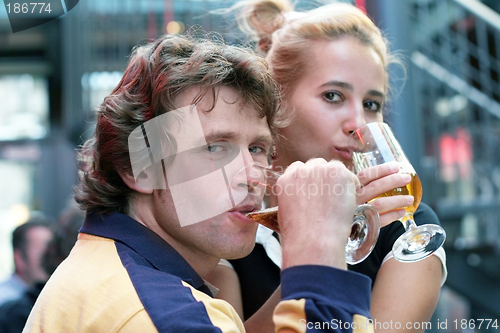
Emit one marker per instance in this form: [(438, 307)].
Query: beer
[(360, 243), (413, 188), (374, 144), (267, 217)]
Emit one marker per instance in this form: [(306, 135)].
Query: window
[(24, 107)]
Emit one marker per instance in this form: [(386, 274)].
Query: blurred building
[(447, 117), (446, 114)]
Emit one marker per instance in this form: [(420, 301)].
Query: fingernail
[(409, 199), (406, 177), (393, 166)]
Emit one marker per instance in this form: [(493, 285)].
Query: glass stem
[(408, 221)]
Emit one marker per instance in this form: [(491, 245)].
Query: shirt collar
[(160, 254)]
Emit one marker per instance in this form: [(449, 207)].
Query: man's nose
[(250, 177)]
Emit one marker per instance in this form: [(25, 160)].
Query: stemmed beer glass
[(365, 227), (375, 144)]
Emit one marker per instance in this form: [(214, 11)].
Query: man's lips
[(245, 209), (343, 152), (240, 212)]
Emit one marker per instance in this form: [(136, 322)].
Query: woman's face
[(342, 89)]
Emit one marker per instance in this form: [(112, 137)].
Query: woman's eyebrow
[(341, 84), (350, 87), (376, 93)]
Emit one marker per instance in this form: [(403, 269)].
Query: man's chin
[(241, 254)]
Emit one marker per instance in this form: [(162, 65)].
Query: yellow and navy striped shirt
[(123, 277)]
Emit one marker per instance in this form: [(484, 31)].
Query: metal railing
[(456, 72)]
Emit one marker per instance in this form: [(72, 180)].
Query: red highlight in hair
[(361, 5)]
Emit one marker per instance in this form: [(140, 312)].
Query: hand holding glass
[(375, 144), (365, 227)]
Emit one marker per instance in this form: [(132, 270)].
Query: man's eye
[(212, 148), (256, 150)]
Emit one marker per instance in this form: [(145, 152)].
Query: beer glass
[(364, 230), (375, 144)]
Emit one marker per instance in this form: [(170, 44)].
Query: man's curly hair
[(156, 74)]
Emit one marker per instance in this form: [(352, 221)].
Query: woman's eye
[(333, 96), (372, 106)]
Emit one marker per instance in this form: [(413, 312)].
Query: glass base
[(418, 243), (364, 234)]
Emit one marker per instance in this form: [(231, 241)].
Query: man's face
[(37, 240), (229, 129)]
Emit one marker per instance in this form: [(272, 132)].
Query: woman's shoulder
[(423, 215), (388, 235), (426, 215)]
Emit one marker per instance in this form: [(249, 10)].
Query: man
[(29, 242), (166, 200), (13, 314)]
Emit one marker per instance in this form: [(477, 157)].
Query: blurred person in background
[(14, 313), (29, 242)]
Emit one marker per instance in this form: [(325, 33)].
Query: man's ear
[(142, 185), (19, 261)]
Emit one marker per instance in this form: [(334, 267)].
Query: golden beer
[(413, 188), (267, 217), (374, 144), (364, 160)]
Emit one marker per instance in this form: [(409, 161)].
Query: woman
[(331, 65)]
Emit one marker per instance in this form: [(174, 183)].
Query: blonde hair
[(284, 35)]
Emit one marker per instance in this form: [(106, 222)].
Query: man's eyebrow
[(264, 138), (216, 136)]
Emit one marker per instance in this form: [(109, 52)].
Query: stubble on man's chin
[(240, 252), (246, 253)]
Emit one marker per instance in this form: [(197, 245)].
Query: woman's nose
[(355, 120)]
